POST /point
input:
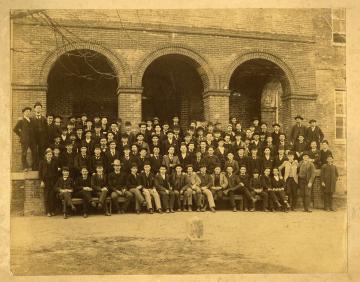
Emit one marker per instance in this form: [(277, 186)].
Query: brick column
[(129, 104), (216, 106), (34, 195)]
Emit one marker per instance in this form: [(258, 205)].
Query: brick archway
[(266, 56), (200, 63), (118, 65)]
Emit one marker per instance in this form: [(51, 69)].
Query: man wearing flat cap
[(314, 133), (297, 129), (23, 129)]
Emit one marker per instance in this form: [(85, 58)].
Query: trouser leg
[(209, 197), (307, 196), (177, 199), (102, 197), (139, 199), (128, 197), (24, 149), (265, 199), (47, 199), (164, 199), (171, 199), (232, 198), (188, 197), (330, 199), (198, 196), (147, 197), (156, 197), (86, 197), (115, 200)]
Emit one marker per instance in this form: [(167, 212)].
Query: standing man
[(291, 178), (306, 179), (23, 129), (39, 125), (314, 133), (329, 176), (297, 129)]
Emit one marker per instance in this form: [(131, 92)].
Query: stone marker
[(195, 228)]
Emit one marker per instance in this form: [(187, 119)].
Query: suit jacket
[(62, 183), (178, 182), (223, 182), (290, 168), (315, 134), (109, 159), (96, 160), (307, 171), (80, 161), (186, 160), (80, 183), (162, 184), (296, 130), (255, 183), (116, 181), (166, 145), (233, 182), (193, 179), (156, 162), (147, 182), (211, 162), (39, 126), (98, 182), (167, 162), (24, 130), (48, 172), (265, 182), (329, 175), (205, 180), (132, 181)]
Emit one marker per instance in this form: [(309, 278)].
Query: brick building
[(200, 64)]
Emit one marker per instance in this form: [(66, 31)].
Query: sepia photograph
[(178, 141)]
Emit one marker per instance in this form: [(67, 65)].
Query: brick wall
[(299, 41)]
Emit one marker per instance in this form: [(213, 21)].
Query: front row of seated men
[(181, 191)]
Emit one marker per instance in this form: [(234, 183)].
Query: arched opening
[(172, 86), (82, 81), (256, 90)]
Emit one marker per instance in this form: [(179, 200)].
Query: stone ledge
[(31, 175)]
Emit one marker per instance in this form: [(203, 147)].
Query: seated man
[(64, 187), (257, 191), (237, 185), (117, 187), (99, 185), (147, 181), (163, 186), (278, 187), (84, 191), (179, 183), (193, 189), (266, 181), (133, 184), (219, 184), (205, 184)]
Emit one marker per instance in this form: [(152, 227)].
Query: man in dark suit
[(314, 133), (110, 155), (23, 129), (39, 126), (297, 129), (117, 187), (163, 186)]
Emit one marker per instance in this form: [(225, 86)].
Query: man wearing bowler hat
[(314, 133), (23, 129), (297, 129)]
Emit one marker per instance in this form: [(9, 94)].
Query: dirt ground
[(239, 242)]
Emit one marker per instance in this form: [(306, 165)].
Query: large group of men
[(159, 167)]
